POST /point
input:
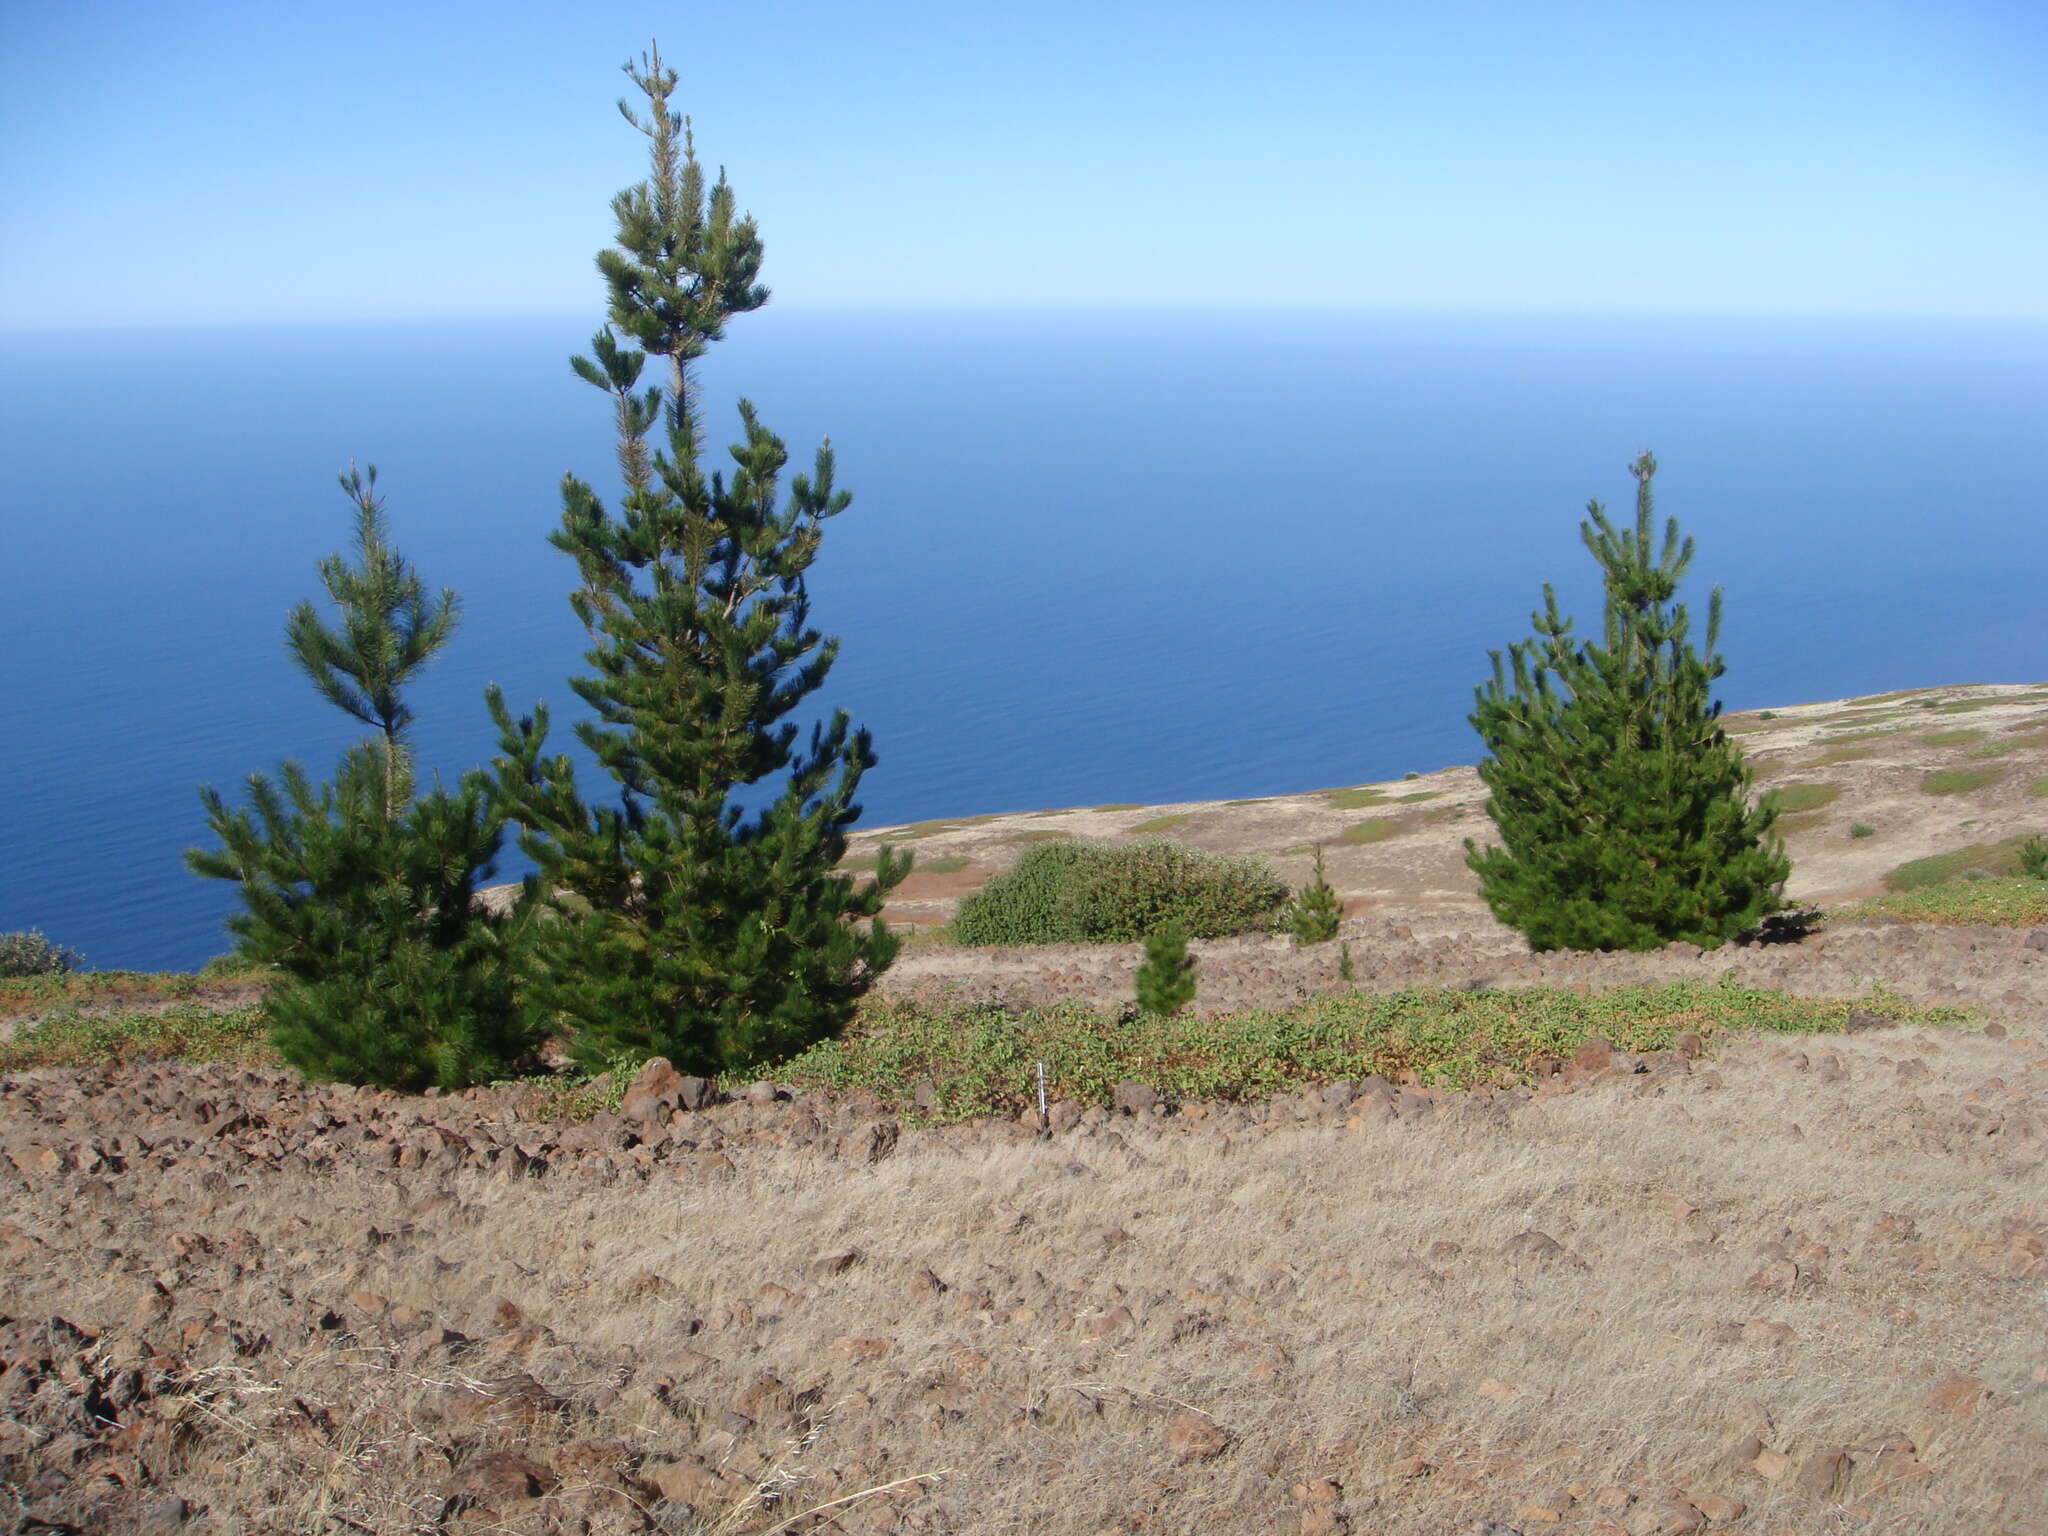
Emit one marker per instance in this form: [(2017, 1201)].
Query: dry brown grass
[(1334, 1297)]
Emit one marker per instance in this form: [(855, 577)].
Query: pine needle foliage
[(1166, 976), (1624, 812), (1315, 911), (385, 971), (359, 893), (678, 922), (389, 629)]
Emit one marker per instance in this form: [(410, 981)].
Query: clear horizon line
[(1390, 310)]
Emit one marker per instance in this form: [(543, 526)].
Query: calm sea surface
[(1091, 557)]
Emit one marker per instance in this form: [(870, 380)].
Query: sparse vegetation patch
[(980, 1060), (1791, 799), (1376, 830), (1836, 755), (1977, 861), (1958, 781), (1357, 798), (1159, 824), (187, 1032), (2005, 901)]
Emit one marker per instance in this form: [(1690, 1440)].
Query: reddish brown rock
[(501, 1477), (1957, 1395), (837, 1262), (1822, 1474), (654, 1093), (1664, 1517), (1195, 1437), (1772, 1466)]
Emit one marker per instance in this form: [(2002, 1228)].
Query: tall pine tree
[(1624, 811), (360, 894), (679, 922)]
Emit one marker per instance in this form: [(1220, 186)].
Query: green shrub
[(385, 969), (1166, 979), (1622, 812), (1862, 829), (1073, 892), (1315, 912), (30, 954), (2033, 858)]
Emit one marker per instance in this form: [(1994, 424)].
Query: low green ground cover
[(2004, 901), (1958, 781), (183, 1032), (1159, 824), (1970, 864), (77, 989), (1377, 830), (1357, 799), (980, 1060), (1791, 799)]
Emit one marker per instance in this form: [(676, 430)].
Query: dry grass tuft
[(1452, 1310)]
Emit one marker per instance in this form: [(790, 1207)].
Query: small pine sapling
[(2033, 857), (1315, 912), (1623, 810), (1166, 978), (1345, 972), (361, 894)]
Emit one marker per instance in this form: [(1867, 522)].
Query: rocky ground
[(1791, 1288)]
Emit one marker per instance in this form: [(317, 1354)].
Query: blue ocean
[(1091, 556)]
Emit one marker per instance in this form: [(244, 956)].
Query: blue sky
[(177, 163)]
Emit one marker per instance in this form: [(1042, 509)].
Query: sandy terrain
[(1418, 862)]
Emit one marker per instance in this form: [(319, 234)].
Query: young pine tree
[(680, 922), (1166, 976), (359, 893), (1623, 810), (1314, 914), (390, 628)]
